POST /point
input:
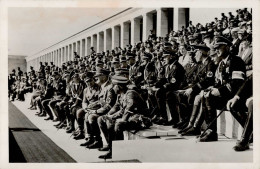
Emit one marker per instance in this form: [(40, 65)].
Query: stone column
[(125, 34), (147, 25), (100, 42), (82, 51), (88, 45), (135, 30), (78, 48), (108, 39), (162, 22), (94, 41), (181, 18), (115, 36)]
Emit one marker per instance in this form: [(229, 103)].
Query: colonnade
[(127, 27)]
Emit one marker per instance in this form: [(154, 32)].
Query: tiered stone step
[(153, 131)]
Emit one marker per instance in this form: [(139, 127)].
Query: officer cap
[(130, 55), (191, 37), (241, 31), (115, 60), (122, 59), (201, 47), (212, 51), (146, 55), (99, 62), (89, 76), (76, 76), (236, 29), (82, 64), (122, 72), (221, 40), (55, 73), (102, 72), (66, 73)]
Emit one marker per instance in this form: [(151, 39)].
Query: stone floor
[(163, 149)]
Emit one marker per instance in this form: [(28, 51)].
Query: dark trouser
[(38, 101), (60, 110), (107, 126), (171, 101), (248, 128), (161, 100), (212, 104), (46, 108), (52, 105), (80, 115), (184, 105), (92, 125)]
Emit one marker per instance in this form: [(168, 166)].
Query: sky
[(32, 29)]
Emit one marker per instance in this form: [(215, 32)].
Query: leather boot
[(106, 156), (106, 148), (89, 141), (71, 123), (241, 146), (209, 136), (191, 132), (96, 144), (79, 136), (185, 129)]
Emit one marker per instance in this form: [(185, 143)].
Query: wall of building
[(15, 61)]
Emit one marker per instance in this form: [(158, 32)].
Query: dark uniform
[(171, 79), (230, 75)]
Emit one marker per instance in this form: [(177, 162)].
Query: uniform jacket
[(191, 70), (204, 75), (246, 90), (173, 76), (76, 91), (90, 95), (232, 76), (110, 100), (59, 87)]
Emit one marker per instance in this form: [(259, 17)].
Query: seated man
[(204, 77), (244, 95), (106, 100), (122, 116), (90, 95), (230, 75)]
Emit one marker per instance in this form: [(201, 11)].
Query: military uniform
[(230, 75), (171, 80), (90, 95), (118, 119)]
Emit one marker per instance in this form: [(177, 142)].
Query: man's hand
[(188, 91), (215, 92), (232, 102)]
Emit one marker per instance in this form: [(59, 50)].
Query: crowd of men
[(181, 80)]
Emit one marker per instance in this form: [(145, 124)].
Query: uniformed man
[(77, 87), (106, 100), (243, 97), (90, 95), (171, 78), (230, 75), (118, 119), (204, 77)]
